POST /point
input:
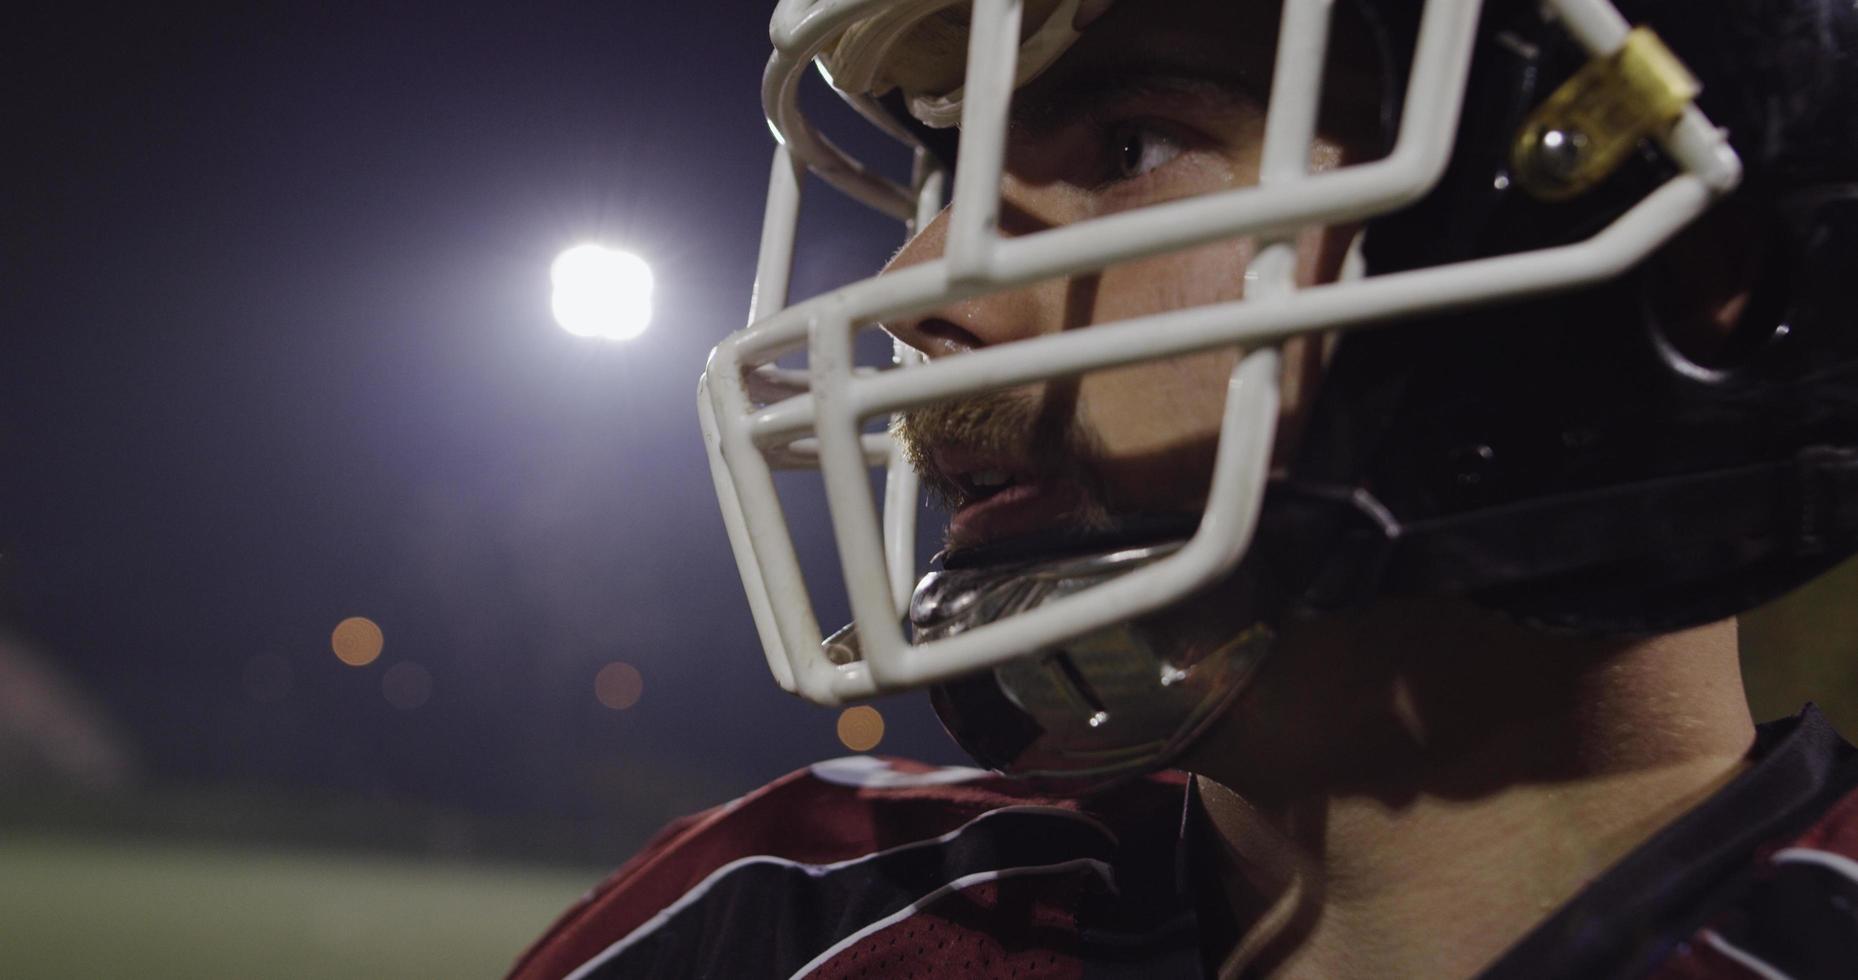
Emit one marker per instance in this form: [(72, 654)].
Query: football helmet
[(1504, 415)]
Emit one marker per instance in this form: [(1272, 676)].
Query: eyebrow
[(1044, 108)]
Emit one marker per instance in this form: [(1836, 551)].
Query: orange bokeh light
[(618, 685), (357, 641), (861, 728)]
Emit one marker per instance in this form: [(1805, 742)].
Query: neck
[(1372, 788)]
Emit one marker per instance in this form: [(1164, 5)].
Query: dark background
[(276, 350)]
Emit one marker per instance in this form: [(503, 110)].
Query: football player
[(1361, 422)]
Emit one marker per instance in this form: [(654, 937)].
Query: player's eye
[(1138, 148)]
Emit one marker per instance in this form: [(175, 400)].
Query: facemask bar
[(902, 484), (744, 436)]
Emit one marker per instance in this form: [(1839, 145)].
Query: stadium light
[(601, 292)]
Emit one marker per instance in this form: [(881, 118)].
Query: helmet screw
[(1558, 154)]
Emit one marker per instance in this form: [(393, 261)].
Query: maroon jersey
[(876, 868), (864, 867)]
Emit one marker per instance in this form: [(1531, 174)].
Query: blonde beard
[(1009, 425)]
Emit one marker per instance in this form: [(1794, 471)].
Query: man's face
[(1158, 101)]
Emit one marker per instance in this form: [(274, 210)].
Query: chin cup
[(1113, 703)]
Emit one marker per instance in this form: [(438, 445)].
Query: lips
[(1015, 510), (998, 498)]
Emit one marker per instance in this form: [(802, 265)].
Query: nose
[(996, 317)]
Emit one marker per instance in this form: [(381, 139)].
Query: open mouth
[(994, 498), (980, 486), (1012, 508)]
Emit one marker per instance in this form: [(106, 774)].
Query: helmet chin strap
[(1644, 557), (1099, 707)]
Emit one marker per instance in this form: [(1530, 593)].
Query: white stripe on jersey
[(1825, 859), (1743, 958), (696, 893), (966, 881), (866, 772)]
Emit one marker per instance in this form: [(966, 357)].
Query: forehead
[(1233, 41), (1215, 36)]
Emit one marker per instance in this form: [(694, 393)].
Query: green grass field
[(105, 908)]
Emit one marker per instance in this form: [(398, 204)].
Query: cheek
[(1160, 407), (1158, 421)]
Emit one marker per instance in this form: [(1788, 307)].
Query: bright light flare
[(601, 292)]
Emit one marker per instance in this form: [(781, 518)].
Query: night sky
[(275, 351)]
